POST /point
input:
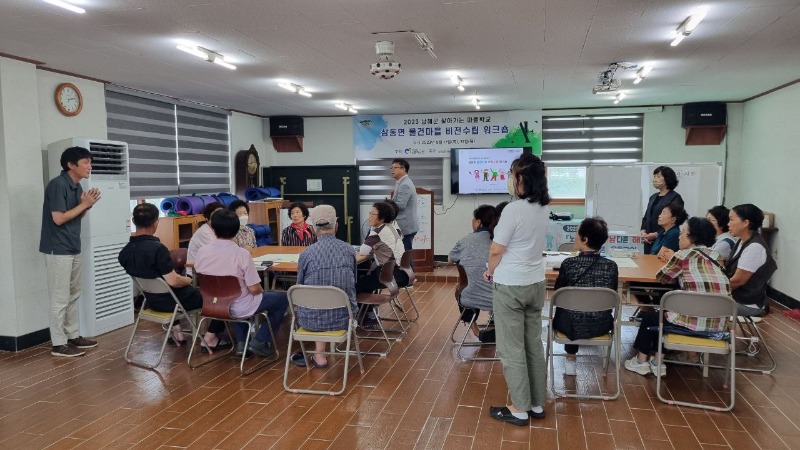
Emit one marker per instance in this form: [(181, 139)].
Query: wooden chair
[(585, 299), (321, 298), (150, 286), (701, 305), (219, 292), (462, 342), (386, 278)]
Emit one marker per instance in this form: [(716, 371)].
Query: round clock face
[(252, 165), (68, 99)]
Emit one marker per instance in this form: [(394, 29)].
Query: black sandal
[(504, 414)]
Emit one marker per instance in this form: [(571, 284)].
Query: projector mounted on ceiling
[(386, 68), (607, 81)]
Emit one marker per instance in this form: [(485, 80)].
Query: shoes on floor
[(487, 336), (222, 344), (659, 371), (67, 351), (503, 414), (82, 342), (260, 348), (535, 415), (240, 349), (370, 324), (300, 361), (642, 368), (569, 367)]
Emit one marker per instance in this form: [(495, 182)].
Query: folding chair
[(586, 299), (462, 342), (700, 305), (219, 292), (751, 335), (157, 286), (321, 298), (386, 278)]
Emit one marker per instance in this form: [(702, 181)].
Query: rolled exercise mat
[(263, 234), (207, 199), (255, 194), (192, 205), (168, 204), (226, 198)]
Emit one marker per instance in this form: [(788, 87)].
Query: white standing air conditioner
[(105, 303)]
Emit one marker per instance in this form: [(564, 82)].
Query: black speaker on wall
[(704, 114), (285, 126)]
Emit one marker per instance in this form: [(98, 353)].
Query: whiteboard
[(619, 194)]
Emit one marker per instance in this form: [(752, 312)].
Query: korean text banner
[(433, 135)]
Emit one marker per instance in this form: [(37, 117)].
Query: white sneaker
[(569, 367), (634, 365), (657, 371)]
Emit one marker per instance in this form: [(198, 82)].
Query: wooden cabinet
[(176, 232), (267, 213)]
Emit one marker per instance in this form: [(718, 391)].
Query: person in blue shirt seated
[(670, 220)]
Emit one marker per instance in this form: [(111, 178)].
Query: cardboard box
[(769, 220)]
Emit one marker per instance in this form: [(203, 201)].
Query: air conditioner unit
[(105, 303)]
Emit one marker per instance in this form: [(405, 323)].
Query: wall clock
[(68, 99)]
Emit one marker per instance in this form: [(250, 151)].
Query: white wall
[(328, 141), (769, 161)]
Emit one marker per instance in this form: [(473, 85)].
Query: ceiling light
[(66, 5), (687, 26), (208, 55), (476, 102), (619, 97), (296, 88), (425, 43), (457, 82), (641, 74), (347, 107)]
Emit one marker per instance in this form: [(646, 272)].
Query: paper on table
[(626, 263), (276, 258)]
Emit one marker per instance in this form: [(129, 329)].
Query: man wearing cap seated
[(328, 262)]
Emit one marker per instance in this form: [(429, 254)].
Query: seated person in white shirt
[(203, 236), (718, 216)]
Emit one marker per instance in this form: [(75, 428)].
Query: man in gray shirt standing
[(65, 204), (405, 195)]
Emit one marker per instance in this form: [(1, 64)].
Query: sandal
[(222, 344), (298, 359)]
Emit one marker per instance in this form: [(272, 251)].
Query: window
[(570, 143), (174, 149), (375, 182)]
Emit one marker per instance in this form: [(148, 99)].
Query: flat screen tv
[(481, 170)]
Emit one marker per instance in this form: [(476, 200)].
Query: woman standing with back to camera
[(516, 270), (665, 181)]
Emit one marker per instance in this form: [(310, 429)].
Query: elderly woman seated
[(588, 269), (472, 252), (245, 237), (697, 268), (751, 265), (299, 232)]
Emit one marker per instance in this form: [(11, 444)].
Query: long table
[(285, 260), (644, 272)]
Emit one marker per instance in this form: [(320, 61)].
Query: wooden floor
[(419, 396)]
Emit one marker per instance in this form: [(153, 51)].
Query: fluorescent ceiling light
[(66, 5), (476, 102), (296, 88), (687, 26), (642, 73), (208, 55), (347, 107), (223, 63), (193, 51)]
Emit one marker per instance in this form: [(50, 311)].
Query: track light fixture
[(457, 82), (687, 26), (296, 88), (208, 55), (641, 74), (347, 107)]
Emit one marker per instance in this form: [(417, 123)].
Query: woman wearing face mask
[(516, 271), (299, 232), (246, 237), (665, 181)]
